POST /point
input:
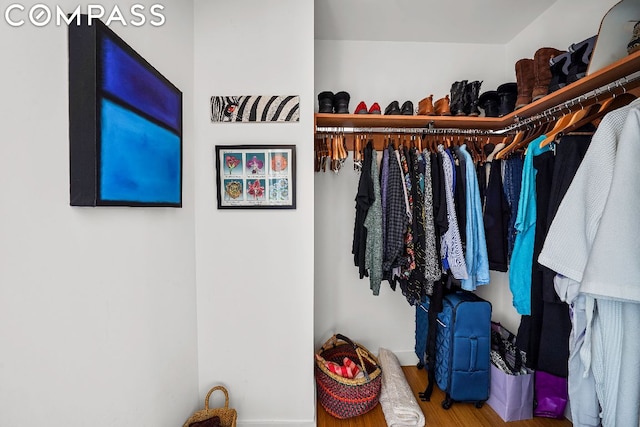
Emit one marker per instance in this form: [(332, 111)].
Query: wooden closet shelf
[(374, 120), (601, 78)]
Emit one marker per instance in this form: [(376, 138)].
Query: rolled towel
[(348, 369), (398, 403)]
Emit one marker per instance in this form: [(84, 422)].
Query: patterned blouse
[(451, 244)]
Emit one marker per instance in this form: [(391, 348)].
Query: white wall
[(386, 71), (382, 72), (255, 267), (97, 305)]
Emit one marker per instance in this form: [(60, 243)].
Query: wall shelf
[(606, 76)]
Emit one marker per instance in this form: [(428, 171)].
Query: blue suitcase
[(463, 347)]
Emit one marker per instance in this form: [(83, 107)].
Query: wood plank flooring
[(460, 414)]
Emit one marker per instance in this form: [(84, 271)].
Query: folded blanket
[(399, 406)]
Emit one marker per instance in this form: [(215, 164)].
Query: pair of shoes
[(571, 66), (464, 98), (394, 109), (500, 102), (425, 106), (338, 103), (533, 76), (362, 108), (580, 58)]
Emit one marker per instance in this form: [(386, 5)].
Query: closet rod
[(549, 113), (398, 130)]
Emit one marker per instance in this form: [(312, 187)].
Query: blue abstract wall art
[(125, 124)]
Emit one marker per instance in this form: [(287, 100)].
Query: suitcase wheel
[(420, 365), (446, 403), (479, 404)]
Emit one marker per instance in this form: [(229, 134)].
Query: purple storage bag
[(551, 395)]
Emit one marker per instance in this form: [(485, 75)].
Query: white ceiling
[(441, 21)]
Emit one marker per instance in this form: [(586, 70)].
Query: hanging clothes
[(396, 218), (409, 262), (451, 245), (590, 243), (413, 281), (384, 182), (373, 225), (459, 192), (555, 327), (531, 325), (476, 256), (364, 199), (439, 197), (496, 219), (522, 258), (432, 269), (512, 184), (481, 173)]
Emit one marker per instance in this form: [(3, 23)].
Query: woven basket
[(343, 397), (227, 415)]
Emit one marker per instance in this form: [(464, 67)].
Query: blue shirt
[(476, 253), (522, 256)]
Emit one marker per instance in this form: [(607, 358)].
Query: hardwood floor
[(460, 414)]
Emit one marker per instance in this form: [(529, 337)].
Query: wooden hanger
[(511, 146), (524, 138), (567, 120), (540, 130), (607, 106)]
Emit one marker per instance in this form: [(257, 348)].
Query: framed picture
[(125, 124), (256, 176)]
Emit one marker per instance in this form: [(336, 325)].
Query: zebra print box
[(254, 108)]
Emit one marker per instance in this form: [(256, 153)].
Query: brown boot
[(542, 71), (425, 106), (525, 79), (442, 106)]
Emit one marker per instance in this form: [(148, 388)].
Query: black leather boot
[(508, 93), (471, 93), (325, 102), (341, 103), (489, 101), (456, 105)]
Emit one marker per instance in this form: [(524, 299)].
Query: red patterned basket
[(343, 397)]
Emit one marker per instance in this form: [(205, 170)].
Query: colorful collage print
[(256, 177)]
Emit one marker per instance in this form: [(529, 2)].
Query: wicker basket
[(343, 397), (227, 415)]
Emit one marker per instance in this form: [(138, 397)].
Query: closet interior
[(575, 110)]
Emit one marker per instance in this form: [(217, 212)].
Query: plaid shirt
[(396, 216)]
